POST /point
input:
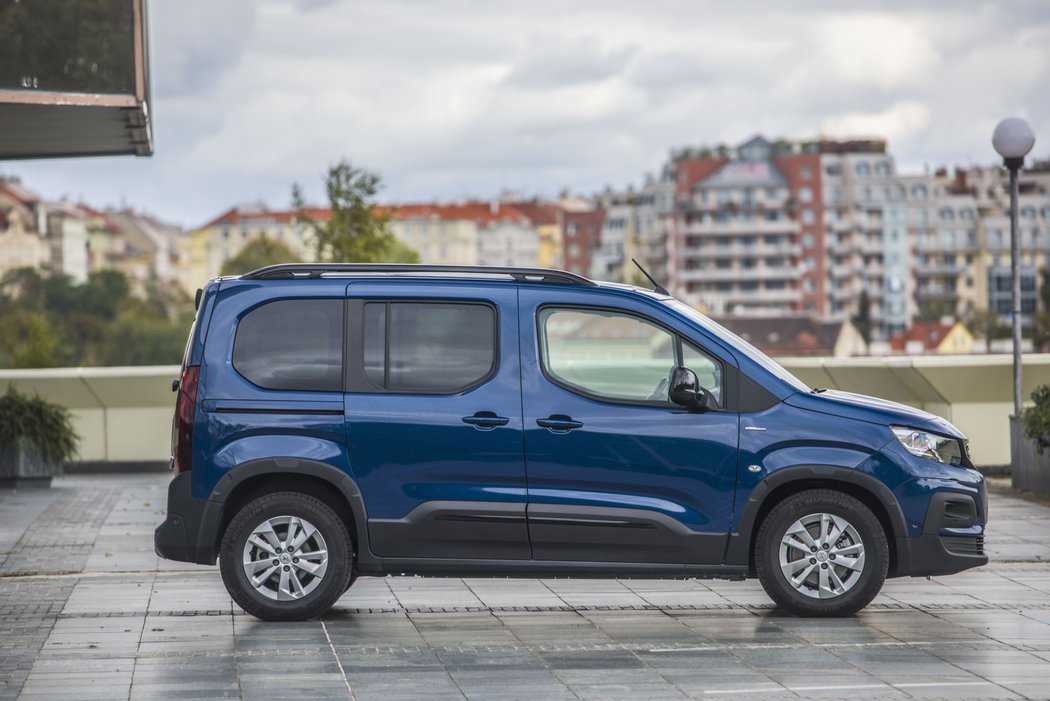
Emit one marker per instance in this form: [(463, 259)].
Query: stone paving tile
[(124, 624)]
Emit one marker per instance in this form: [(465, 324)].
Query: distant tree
[(937, 309), (104, 292), (862, 319), (27, 339), (984, 323), (259, 253), (141, 334), (26, 285), (356, 232)]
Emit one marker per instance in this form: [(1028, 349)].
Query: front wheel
[(286, 557), (821, 553)]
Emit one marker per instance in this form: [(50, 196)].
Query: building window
[(833, 169), (862, 170), (947, 214), (805, 195), (808, 217), (805, 172), (807, 240)]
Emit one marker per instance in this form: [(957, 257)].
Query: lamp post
[(1013, 139)]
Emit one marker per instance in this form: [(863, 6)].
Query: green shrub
[(1036, 419), (45, 426)]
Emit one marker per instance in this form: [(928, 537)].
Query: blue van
[(334, 421)]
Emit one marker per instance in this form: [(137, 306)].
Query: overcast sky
[(452, 98)]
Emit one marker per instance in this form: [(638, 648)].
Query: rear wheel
[(286, 557), (821, 553)]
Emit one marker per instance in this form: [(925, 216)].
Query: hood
[(873, 410)]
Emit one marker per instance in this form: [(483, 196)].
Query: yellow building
[(941, 337)]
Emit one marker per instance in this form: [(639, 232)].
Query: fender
[(213, 509), (738, 550)]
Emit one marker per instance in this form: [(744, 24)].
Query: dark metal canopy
[(74, 79)]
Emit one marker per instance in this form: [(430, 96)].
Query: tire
[(308, 580), (845, 571)]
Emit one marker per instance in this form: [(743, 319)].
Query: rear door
[(433, 418), (616, 472)]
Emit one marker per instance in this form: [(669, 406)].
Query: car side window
[(292, 344), (607, 354), (440, 347), (707, 369)]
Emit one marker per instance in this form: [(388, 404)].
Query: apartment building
[(21, 242), (748, 231)]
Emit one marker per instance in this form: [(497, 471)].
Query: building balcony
[(939, 269), (938, 292), (760, 250), (735, 226), (786, 273), (762, 296)]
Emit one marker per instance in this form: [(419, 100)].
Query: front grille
[(963, 545)]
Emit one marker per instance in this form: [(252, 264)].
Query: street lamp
[(1013, 139)]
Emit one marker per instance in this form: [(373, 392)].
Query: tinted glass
[(430, 347), (67, 45), (292, 344), (374, 340), (607, 354)]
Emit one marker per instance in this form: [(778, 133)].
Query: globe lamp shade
[(1013, 138)]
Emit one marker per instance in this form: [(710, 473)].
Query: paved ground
[(87, 611)]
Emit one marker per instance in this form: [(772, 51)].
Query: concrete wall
[(124, 414)]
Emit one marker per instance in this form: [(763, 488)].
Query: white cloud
[(450, 97)]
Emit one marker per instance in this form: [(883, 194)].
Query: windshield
[(730, 338)]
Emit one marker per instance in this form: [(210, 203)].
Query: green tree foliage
[(1036, 418), (48, 321), (259, 253), (862, 319), (357, 231)]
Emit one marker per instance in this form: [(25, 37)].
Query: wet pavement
[(88, 611)]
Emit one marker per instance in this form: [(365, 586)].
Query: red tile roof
[(481, 212), (14, 189), (236, 215), (929, 333)]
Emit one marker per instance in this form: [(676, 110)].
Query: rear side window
[(440, 347), (292, 344)]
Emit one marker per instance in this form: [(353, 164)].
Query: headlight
[(929, 445)]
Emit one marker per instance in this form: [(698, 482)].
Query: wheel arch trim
[(739, 547), (230, 483)]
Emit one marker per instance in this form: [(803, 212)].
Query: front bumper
[(182, 536), (952, 538)]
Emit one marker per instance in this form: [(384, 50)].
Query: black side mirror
[(685, 390)]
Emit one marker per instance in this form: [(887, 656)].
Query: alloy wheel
[(822, 556)]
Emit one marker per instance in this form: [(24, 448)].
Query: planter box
[(1029, 470), (22, 466)]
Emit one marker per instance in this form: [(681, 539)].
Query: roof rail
[(316, 270)]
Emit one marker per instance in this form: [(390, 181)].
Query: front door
[(433, 418), (616, 472)]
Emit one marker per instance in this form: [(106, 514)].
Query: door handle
[(486, 419), (559, 422)]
